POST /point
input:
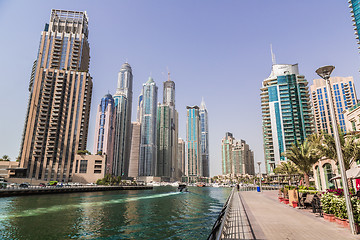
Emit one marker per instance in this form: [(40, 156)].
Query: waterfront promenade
[(271, 219)]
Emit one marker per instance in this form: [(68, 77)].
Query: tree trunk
[(306, 180)]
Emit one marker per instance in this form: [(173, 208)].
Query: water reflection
[(161, 213)]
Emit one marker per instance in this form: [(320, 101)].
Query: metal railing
[(218, 226), (254, 188)]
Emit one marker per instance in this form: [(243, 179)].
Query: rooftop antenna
[(126, 60), (272, 55), (167, 68)]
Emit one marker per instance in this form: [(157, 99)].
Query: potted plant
[(328, 206)]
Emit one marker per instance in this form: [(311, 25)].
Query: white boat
[(215, 185), (175, 184), (154, 184)]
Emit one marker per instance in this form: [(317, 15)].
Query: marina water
[(161, 213)]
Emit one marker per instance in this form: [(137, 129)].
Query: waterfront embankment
[(10, 192)]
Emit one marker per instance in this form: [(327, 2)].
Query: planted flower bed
[(334, 207)]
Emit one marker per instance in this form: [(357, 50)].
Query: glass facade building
[(286, 112), (355, 15), (344, 95), (195, 169), (204, 128), (237, 158), (122, 125), (148, 144), (226, 153), (104, 130), (167, 135)]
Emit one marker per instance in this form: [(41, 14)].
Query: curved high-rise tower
[(122, 137)]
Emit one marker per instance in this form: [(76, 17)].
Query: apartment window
[(353, 125), (97, 171), (83, 166), (76, 167), (98, 161)]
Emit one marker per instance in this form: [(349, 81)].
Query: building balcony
[(36, 152)]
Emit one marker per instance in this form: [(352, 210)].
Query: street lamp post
[(259, 163), (324, 73)]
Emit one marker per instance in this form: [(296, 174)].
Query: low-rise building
[(7, 169), (352, 118), (88, 168)]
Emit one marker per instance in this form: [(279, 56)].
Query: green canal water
[(161, 213)]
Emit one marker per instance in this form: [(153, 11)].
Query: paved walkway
[(271, 219), (237, 225)]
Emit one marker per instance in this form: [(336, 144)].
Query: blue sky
[(219, 50)]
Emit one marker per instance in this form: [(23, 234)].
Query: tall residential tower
[(344, 95), (123, 105), (195, 169), (237, 158), (167, 135), (204, 128), (286, 112), (104, 130), (355, 14), (60, 95), (181, 157), (147, 161)]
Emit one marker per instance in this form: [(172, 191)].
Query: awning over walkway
[(334, 178), (353, 173)]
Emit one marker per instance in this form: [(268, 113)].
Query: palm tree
[(287, 168), (5, 158), (304, 156), (350, 146)]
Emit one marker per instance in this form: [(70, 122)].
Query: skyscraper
[(123, 105), (193, 143), (181, 157), (135, 149), (227, 154), (237, 158), (355, 14), (60, 95), (139, 107), (286, 112), (167, 135), (204, 127), (104, 130), (344, 95), (147, 162)]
